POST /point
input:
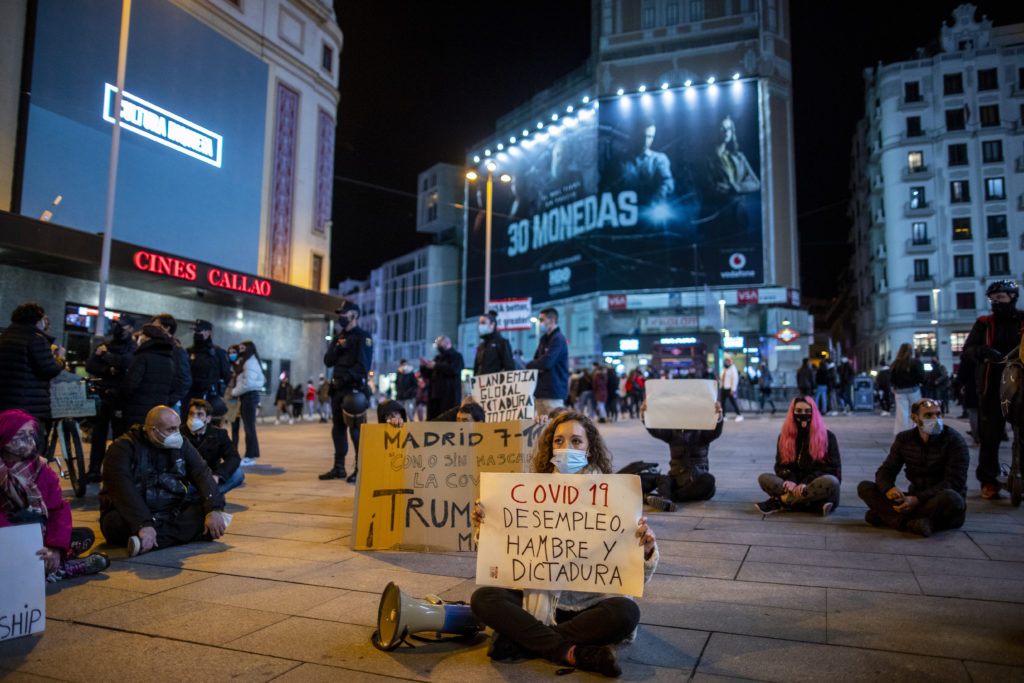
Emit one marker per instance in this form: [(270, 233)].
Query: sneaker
[(82, 566), (334, 473), (739, 418), (291, 420), (248, 462), (769, 506), (989, 491), (873, 518), (277, 422), (659, 503), (921, 526), (885, 413), (134, 546), (92, 478), (826, 509), (323, 421), (352, 477), (598, 658), (80, 546), (503, 649)]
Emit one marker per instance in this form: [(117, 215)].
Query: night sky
[(421, 82)]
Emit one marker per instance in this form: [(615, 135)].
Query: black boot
[(352, 477), (334, 473)]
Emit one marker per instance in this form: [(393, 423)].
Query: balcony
[(921, 246), (915, 282), (877, 182), (922, 209), (922, 172), (912, 104), (878, 219), (1018, 165)]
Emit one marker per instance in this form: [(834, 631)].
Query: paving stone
[(350, 607), (713, 551), (1004, 553), (9, 676), (372, 576), (941, 627), (143, 578), (244, 564), (787, 661), (994, 673), (973, 568), (306, 550), (978, 588), (67, 601), (669, 648), (875, 540), (317, 673), (282, 597), (829, 558), (830, 577), (698, 566), (753, 537)]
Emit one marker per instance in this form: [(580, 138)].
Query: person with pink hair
[(807, 464), (30, 494)]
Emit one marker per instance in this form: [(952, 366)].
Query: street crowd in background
[(167, 429)]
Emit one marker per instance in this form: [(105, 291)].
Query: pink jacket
[(58, 525)]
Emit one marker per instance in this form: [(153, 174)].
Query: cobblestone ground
[(787, 598)]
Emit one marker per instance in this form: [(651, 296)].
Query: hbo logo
[(559, 276)]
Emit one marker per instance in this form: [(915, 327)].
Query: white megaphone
[(400, 616)]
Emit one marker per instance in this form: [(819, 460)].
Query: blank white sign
[(681, 403)]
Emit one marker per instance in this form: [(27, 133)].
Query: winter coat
[(600, 384), (688, 450), (445, 378), (731, 379), (149, 380), (210, 368), (908, 377), (26, 368), (58, 512), (145, 483), (182, 381), (805, 379), (250, 378), (214, 446), (552, 361), (350, 354), (803, 469), (111, 366), (406, 385), (493, 354), (992, 336), (938, 465)]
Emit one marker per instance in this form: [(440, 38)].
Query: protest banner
[(417, 484), (561, 532), (505, 395), (513, 314), (69, 398), (681, 404), (23, 599)]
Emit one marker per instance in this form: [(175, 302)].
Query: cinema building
[(650, 194), (224, 171)]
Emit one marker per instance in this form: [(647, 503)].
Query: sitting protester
[(688, 477), (30, 493), (213, 444), (936, 460), (146, 474), (574, 628), (470, 411), (391, 412), (807, 464)]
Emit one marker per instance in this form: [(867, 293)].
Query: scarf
[(19, 488)]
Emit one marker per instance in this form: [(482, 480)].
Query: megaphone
[(400, 616)]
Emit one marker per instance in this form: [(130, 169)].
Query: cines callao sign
[(186, 270)]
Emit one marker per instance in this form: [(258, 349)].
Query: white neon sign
[(160, 125)]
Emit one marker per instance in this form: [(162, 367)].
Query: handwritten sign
[(561, 532), (681, 404), (418, 483), (513, 314), (23, 599), (68, 397), (505, 395)]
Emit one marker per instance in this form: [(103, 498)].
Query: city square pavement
[(791, 597)]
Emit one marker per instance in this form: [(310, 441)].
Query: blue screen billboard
[(193, 124)]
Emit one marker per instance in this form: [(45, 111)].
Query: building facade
[(938, 189)]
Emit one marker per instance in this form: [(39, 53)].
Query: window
[(994, 189), (962, 228), (924, 343), (697, 10), (958, 339), (317, 272), (912, 91), (959, 192), (914, 127), (919, 233), (988, 79), (915, 161), (958, 154), (991, 151), (989, 115), (648, 20), (955, 119), (672, 14), (924, 303), (999, 263), (917, 198), (964, 302), (963, 265), (327, 58), (952, 84), (996, 226), (1020, 78), (921, 270)]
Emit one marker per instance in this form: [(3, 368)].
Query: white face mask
[(195, 424), (174, 441), (933, 427), (568, 460), (483, 329)]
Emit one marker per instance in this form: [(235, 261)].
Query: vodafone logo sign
[(737, 261)]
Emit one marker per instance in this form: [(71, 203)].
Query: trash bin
[(863, 393)]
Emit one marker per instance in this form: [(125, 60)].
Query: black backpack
[(649, 473)]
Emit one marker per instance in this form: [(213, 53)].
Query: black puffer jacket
[(145, 483), (688, 449), (26, 368), (149, 379), (111, 365), (935, 466), (493, 354), (804, 469), (209, 367), (214, 446)]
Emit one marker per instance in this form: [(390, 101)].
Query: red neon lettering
[(238, 283), (513, 494), (164, 265), (190, 271), (140, 260)]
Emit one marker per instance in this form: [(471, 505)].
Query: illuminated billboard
[(190, 171), (658, 190)]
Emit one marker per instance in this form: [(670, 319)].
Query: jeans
[(247, 409), (823, 489), (821, 398), (904, 398), (607, 622), (234, 481), (727, 395), (945, 510), (766, 395)]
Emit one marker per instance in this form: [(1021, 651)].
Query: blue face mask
[(568, 460), (233, 356), (933, 427)]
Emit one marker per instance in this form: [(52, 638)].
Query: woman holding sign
[(572, 628)]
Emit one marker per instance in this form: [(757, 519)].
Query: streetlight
[(505, 178)]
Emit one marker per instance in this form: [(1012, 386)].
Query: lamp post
[(488, 214)]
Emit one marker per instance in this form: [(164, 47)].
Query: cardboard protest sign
[(68, 397), (418, 483), (505, 395), (561, 532), (23, 598), (681, 404)]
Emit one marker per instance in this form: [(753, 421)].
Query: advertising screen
[(193, 122), (658, 190)]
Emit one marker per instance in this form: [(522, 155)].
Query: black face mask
[(803, 422), (344, 321), (1004, 307), (198, 339), (119, 332)]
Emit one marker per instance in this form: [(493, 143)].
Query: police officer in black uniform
[(108, 363), (350, 353), (991, 339), (210, 368)]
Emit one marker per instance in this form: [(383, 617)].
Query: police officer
[(494, 353), (350, 354), (210, 368), (108, 363), (991, 338)]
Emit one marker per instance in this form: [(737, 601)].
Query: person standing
[(282, 399), (210, 368), (493, 353), (150, 379), (405, 387), (323, 399), (109, 362), (846, 373), (730, 384), (445, 376), (907, 375), (764, 382), (551, 360), (989, 342), (350, 353), (821, 385), (182, 381), (248, 385), (26, 363), (805, 378)]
